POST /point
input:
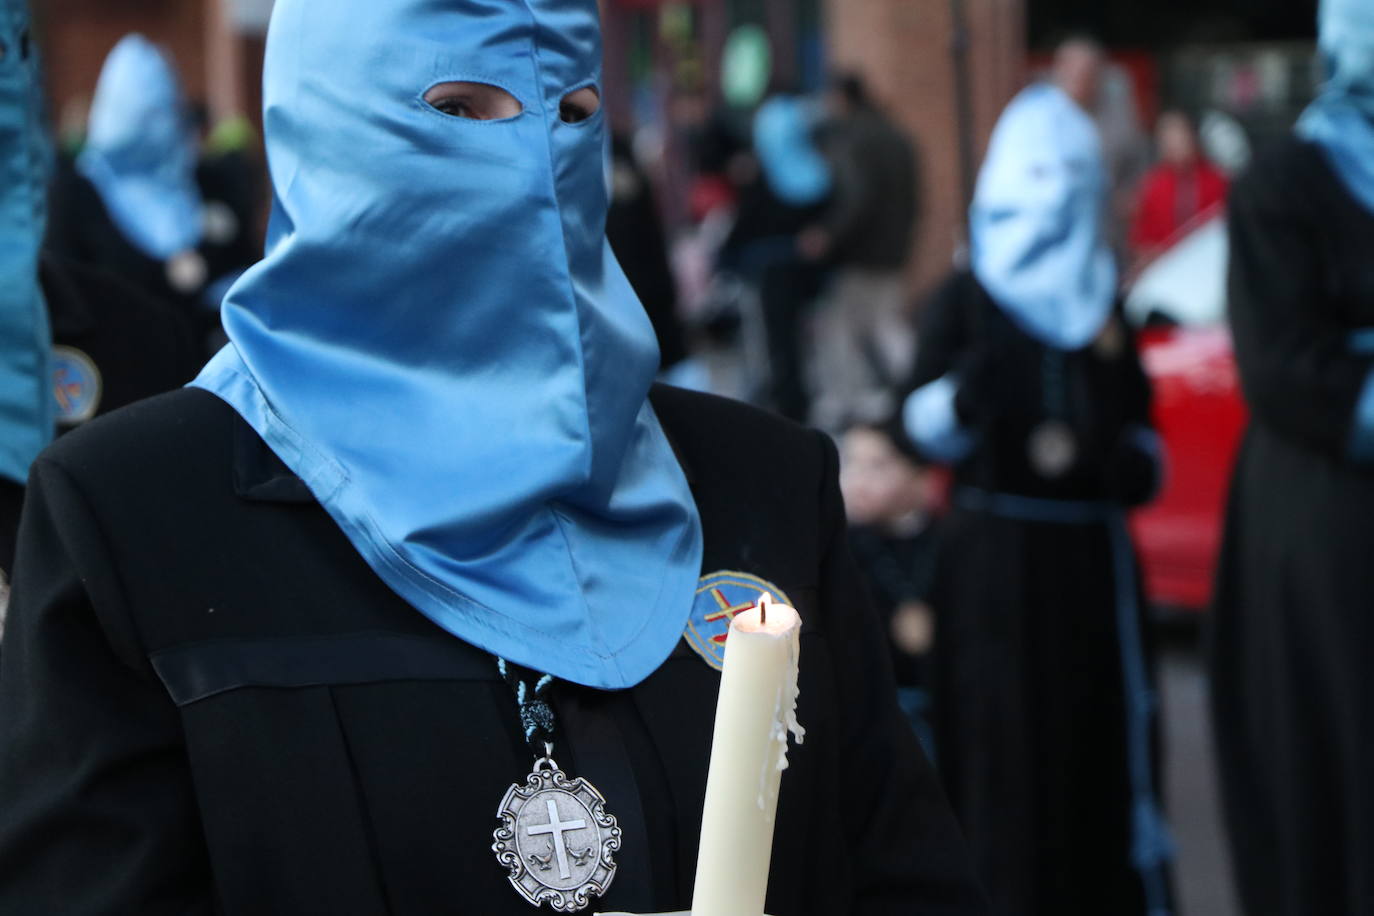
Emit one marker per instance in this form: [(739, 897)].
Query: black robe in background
[(81, 231), (899, 569), (635, 233), (137, 346), (1030, 704), (1293, 637)]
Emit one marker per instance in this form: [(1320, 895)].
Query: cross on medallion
[(557, 828)]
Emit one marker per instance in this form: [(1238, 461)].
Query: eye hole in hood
[(474, 101), (579, 105)]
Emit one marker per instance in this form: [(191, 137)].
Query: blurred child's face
[(880, 484), (1177, 142)]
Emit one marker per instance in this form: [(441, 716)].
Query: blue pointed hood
[(441, 345), (1038, 243), (26, 399), (140, 151), (793, 166), (1341, 120)]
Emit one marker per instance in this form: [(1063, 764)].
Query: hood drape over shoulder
[(441, 345)]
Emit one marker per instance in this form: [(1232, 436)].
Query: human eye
[(579, 106), (473, 101), (454, 106)]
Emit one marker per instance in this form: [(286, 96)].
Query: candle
[(756, 710)]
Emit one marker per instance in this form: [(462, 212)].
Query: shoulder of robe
[(716, 436), (168, 444), (679, 409)]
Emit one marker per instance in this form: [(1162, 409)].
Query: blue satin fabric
[(1341, 120), (794, 168), (140, 151), (26, 399), (441, 345), (1037, 233)]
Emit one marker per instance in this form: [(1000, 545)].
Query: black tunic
[(209, 703), (899, 569), (1030, 703), (635, 232), (135, 346), (140, 346), (82, 232), (1293, 628)]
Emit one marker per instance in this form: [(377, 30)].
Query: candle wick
[(763, 608)]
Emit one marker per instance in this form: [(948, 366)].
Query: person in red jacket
[(1181, 187)]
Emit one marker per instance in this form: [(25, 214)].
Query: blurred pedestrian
[(1105, 90), (895, 538), (130, 203), (26, 403), (1182, 187), (1030, 386), (865, 341), (783, 188), (1292, 656)]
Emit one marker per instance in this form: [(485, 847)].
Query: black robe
[(635, 232), (1293, 635), (81, 231), (210, 704), (1038, 613), (132, 345), (899, 569)]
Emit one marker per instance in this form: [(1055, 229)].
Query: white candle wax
[(756, 710)]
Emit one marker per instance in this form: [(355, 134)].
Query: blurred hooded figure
[(1028, 384), (98, 344), (26, 403), (865, 338), (132, 205), (787, 192), (282, 641), (1292, 656)]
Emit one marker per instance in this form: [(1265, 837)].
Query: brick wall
[(76, 35)]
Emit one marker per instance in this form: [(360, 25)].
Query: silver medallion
[(1052, 449), (557, 839)]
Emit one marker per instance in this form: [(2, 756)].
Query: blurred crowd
[(994, 433)]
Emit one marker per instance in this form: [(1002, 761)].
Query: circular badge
[(76, 385), (1052, 449), (721, 596), (557, 839), (187, 272)]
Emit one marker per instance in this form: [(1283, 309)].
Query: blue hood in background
[(140, 151)]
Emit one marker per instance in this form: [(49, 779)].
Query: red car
[(1178, 302)]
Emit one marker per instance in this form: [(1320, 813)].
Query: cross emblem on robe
[(727, 612), (556, 829)]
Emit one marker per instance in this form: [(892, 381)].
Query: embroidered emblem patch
[(76, 384), (720, 596)]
